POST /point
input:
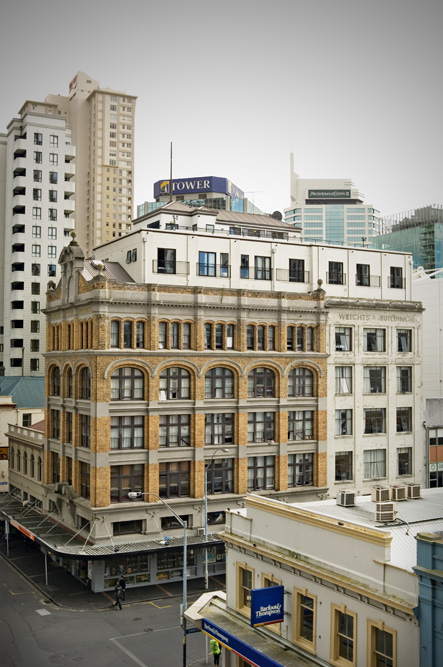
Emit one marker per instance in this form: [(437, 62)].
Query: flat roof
[(420, 515)]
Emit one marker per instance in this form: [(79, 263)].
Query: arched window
[(39, 469), (55, 381), (69, 389), (127, 384), (32, 466), (85, 383), (219, 383), (115, 333), (175, 383), (127, 334), (300, 382), (261, 382), (12, 458), (25, 463), (140, 334), (19, 460)]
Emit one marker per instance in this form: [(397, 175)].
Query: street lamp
[(206, 512), (136, 495)]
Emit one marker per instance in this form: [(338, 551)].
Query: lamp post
[(136, 495), (206, 512)]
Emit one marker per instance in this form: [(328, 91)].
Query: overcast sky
[(352, 87)]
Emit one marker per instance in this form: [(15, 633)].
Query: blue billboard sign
[(193, 186), (245, 651), (267, 605)]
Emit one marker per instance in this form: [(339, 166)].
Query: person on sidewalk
[(118, 596), (215, 650), (122, 584)]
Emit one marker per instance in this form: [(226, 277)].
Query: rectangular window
[(244, 266), (36, 194), (245, 583), (219, 336), (262, 268), (261, 472), (52, 233), (174, 479), (220, 476), (206, 263), (335, 273), (85, 430), (297, 270), (404, 379), (52, 251), (125, 478), (343, 422), (127, 433), (27, 420), (35, 288), (38, 138), (375, 420), (140, 335), (53, 159), (343, 466), (300, 469), (208, 336), (305, 605), (382, 645), (260, 426), (404, 420), (35, 307), (84, 480), (219, 428), (52, 214), (35, 269), (404, 338), (36, 213), (396, 277), (343, 339), (166, 260), (300, 425), (404, 461), (224, 265), (249, 337), (38, 157), (52, 270), (52, 196), (343, 637), (363, 277), (374, 380), (174, 431), (37, 176), (53, 140), (55, 414), (36, 231), (343, 379), (374, 463), (35, 326), (374, 340)]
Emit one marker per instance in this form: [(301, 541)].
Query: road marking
[(129, 654), (166, 606), (164, 590), (218, 581), (43, 612), (161, 629)]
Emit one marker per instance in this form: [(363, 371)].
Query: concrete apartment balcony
[(20, 162), (70, 153), (69, 170), (19, 200), (69, 188), (20, 146), (69, 206)]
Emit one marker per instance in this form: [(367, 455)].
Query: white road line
[(128, 653), (43, 612)]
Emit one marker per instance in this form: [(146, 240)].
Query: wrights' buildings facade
[(206, 340)]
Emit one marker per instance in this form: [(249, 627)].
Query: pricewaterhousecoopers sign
[(192, 186), (329, 194)]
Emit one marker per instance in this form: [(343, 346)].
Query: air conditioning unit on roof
[(399, 492), (385, 512), (414, 490), (380, 494), (346, 498)]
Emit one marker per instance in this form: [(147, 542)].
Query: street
[(34, 632)]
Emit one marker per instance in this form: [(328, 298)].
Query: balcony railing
[(336, 278), (285, 275), (367, 281), (213, 270), (169, 267)]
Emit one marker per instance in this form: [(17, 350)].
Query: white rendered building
[(37, 168), (331, 210), (350, 590), (102, 122)]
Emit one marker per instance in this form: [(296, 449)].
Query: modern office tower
[(102, 122), (208, 191), (420, 232), (37, 168), (215, 344), (330, 210)]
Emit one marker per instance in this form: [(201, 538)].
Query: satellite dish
[(277, 215)]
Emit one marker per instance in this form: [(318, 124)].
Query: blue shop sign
[(248, 653), (267, 605)]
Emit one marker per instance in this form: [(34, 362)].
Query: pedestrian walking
[(215, 650), (118, 596), (122, 584)]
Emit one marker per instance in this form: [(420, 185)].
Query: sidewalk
[(66, 591)]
